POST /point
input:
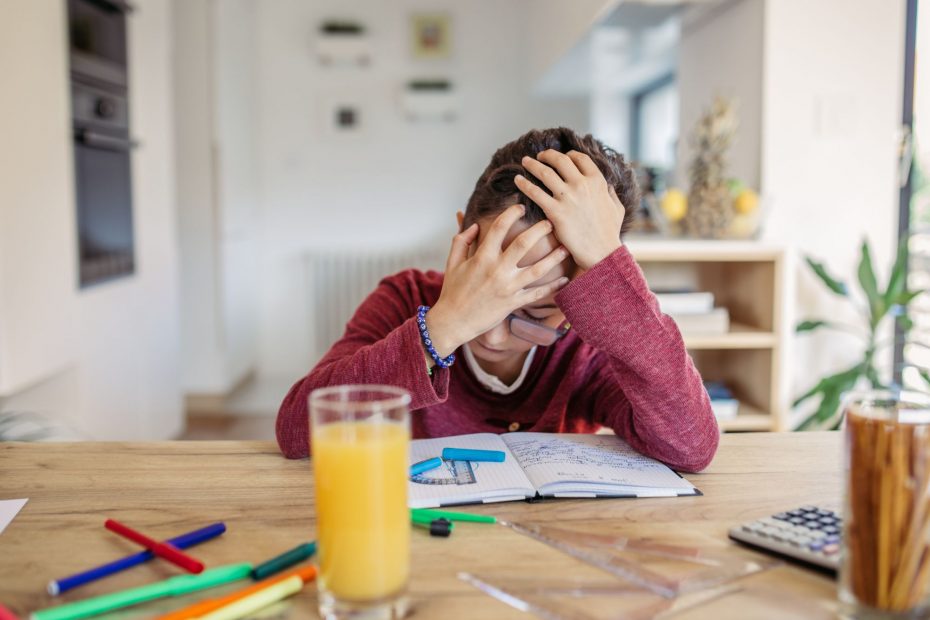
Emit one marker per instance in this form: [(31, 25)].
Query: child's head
[(495, 189)]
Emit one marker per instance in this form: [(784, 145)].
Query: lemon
[(674, 205), (747, 201)]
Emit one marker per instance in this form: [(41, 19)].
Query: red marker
[(6, 614), (162, 550)]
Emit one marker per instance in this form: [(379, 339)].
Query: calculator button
[(796, 520), (768, 531), (817, 534), (781, 516), (831, 529), (816, 545), (824, 513), (795, 513), (812, 525), (831, 538), (808, 508), (831, 549), (827, 520)]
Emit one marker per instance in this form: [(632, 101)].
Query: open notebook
[(540, 464)]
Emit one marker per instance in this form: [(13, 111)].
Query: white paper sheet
[(494, 482), (569, 463), (9, 508)]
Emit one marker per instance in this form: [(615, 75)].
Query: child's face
[(498, 345)]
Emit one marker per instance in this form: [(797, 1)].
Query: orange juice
[(363, 525)]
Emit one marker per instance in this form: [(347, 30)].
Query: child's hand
[(480, 290), (584, 209)]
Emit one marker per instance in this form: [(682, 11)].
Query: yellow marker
[(261, 599)]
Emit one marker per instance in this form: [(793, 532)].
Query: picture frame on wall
[(431, 36)]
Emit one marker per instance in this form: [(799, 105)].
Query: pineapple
[(710, 202)]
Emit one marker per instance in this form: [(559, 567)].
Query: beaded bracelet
[(424, 335)]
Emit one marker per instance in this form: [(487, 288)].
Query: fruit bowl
[(743, 222)]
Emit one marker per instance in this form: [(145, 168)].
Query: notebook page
[(479, 482), (590, 461)]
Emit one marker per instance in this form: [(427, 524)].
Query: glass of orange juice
[(359, 440)]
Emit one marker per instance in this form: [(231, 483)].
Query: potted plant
[(881, 306)]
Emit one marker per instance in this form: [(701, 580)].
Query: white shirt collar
[(491, 382)]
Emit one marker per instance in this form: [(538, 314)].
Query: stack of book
[(723, 403), (694, 312)]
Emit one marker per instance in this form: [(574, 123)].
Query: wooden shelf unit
[(747, 278)]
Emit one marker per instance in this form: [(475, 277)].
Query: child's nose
[(498, 334)]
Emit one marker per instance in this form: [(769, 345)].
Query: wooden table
[(168, 488)]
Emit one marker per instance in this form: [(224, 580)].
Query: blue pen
[(460, 454), (422, 466), (181, 542)]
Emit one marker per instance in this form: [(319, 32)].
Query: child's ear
[(460, 217)]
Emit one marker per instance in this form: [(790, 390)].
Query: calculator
[(809, 534)]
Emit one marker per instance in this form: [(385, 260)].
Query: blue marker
[(422, 466), (460, 454), (181, 542)]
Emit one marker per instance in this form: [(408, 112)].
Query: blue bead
[(428, 342)]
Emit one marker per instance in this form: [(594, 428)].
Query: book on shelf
[(715, 322), (724, 405), (685, 302), (539, 465)]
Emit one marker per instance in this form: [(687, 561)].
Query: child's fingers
[(540, 268), (525, 241), (535, 193), (500, 227), (547, 175), (563, 163), (536, 293), (584, 163), (460, 244)]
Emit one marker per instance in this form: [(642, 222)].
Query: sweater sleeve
[(381, 345), (646, 387)]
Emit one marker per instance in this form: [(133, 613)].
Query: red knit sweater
[(623, 365)]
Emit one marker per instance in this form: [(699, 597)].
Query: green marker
[(285, 560), (451, 516), (174, 586)]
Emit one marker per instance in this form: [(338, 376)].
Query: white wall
[(123, 381), (395, 184), (214, 102), (832, 93), (720, 53), (37, 239)]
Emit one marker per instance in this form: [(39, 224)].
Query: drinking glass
[(885, 562), (360, 438)]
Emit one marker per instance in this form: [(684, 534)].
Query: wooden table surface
[(168, 488)]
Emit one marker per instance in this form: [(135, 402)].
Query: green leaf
[(809, 326), (831, 389), (897, 281), (869, 285), (906, 323), (925, 375), (906, 297), (832, 283)]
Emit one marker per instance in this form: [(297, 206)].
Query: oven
[(102, 143)]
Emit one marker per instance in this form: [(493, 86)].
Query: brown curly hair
[(495, 189)]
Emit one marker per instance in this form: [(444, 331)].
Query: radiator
[(340, 280)]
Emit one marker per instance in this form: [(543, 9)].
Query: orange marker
[(196, 610)]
